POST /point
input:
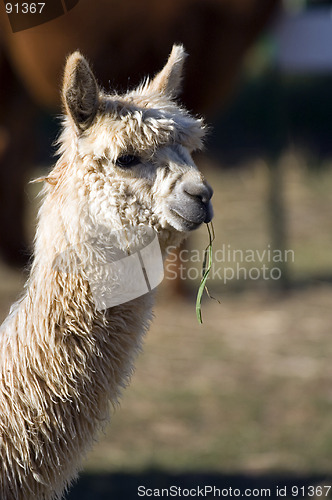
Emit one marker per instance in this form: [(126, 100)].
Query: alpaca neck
[(60, 304), (69, 343), (61, 363), (83, 356)]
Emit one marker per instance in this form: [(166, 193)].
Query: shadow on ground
[(125, 486)]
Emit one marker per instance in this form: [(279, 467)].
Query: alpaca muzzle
[(192, 205)]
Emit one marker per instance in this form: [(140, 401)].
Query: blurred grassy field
[(250, 390)]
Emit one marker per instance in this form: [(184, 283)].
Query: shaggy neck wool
[(61, 362)]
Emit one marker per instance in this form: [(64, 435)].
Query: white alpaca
[(125, 164)]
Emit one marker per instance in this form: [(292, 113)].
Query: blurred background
[(244, 400)]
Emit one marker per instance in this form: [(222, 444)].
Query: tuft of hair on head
[(168, 81), (80, 93)]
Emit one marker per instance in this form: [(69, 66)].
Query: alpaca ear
[(168, 81), (80, 91)]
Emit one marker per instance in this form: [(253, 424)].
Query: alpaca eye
[(127, 161)]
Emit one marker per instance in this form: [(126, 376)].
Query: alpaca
[(124, 164)]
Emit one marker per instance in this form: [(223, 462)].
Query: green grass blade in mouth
[(206, 267)]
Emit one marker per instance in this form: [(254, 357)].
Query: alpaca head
[(133, 151)]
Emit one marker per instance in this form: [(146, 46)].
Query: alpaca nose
[(198, 190)]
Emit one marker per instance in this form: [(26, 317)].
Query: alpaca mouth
[(186, 222)]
